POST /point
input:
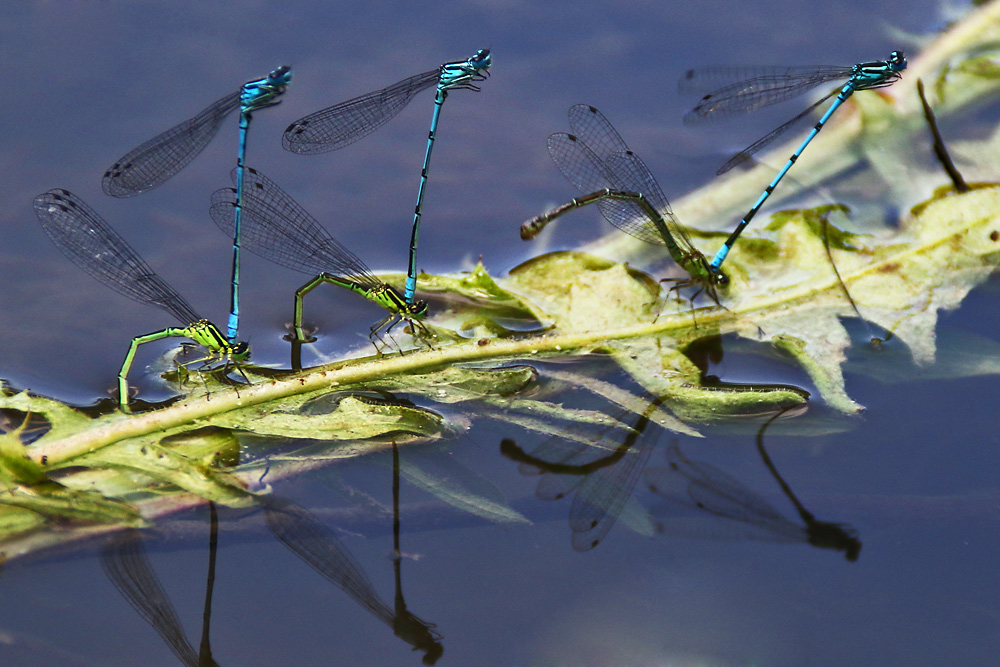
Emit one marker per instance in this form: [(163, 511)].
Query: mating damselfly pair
[(256, 214), (596, 160)]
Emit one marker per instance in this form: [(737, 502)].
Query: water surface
[(915, 476)]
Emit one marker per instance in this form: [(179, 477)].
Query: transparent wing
[(710, 490), (86, 239), (602, 495), (342, 124), (157, 160), (596, 131), (276, 227), (743, 89), (770, 137)]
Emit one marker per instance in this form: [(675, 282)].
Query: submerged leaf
[(57, 503), (479, 286), (457, 384), (64, 419), (164, 466), (352, 418), (16, 521), (634, 404), (214, 446), (522, 414), (448, 490), (667, 373)]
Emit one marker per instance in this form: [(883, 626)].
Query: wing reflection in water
[(602, 484), (737, 511), (309, 539), (125, 563)]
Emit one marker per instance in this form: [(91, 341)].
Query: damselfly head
[(897, 60), (481, 60), (713, 279), (463, 74), (417, 309), (282, 75), (718, 277), (479, 66), (265, 92), (240, 351)]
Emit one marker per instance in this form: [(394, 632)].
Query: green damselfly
[(277, 228), (90, 242), (597, 161)]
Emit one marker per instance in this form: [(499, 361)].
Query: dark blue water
[(915, 476)]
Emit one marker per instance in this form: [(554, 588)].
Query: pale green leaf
[(448, 491)]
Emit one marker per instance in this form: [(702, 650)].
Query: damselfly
[(597, 161), (342, 124), (157, 160), (90, 242), (758, 88)]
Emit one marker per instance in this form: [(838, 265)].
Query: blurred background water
[(86, 82)]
